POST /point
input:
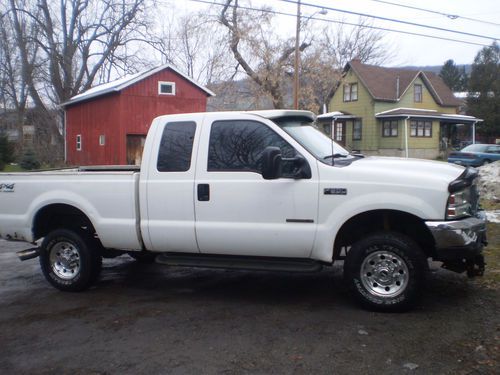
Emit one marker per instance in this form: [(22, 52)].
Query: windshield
[(317, 143), (474, 148)]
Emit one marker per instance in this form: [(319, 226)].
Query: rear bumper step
[(28, 253), (242, 263)]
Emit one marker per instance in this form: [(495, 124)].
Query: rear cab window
[(176, 147)]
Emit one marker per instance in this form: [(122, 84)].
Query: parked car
[(475, 155)]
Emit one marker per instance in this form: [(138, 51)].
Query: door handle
[(203, 192)]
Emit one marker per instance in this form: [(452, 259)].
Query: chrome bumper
[(460, 238)]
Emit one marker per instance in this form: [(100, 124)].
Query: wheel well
[(384, 220), (58, 216)]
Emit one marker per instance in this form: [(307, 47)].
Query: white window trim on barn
[(79, 142), (164, 83)]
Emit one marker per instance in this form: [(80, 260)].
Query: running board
[(240, 262)]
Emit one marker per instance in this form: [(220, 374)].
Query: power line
[(391, 20), (449, 15), (264, 10)]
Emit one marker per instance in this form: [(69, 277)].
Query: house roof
[(382, 83), (126, 81), (426, 113)]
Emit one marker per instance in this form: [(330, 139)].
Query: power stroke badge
[(335, 191), (6, 188)]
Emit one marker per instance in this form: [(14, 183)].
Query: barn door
[(135, 145)]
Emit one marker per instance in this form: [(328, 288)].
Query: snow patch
[(493, 216), (489, 181)]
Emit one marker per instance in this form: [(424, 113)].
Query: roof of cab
[(278, 113)]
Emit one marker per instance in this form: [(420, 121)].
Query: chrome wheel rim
[(65, 260), (384, 274)]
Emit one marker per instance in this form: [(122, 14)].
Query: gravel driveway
[(154, 319)]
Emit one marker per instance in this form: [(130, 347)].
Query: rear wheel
[(70, 260), (385, 271), (486, 161)]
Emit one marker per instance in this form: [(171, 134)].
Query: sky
[(409, 50)]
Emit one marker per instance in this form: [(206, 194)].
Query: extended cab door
[(237, 211), (167, 187)]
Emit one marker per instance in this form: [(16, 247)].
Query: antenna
[(332, 133)]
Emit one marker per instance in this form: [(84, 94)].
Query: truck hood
[(405, 172)]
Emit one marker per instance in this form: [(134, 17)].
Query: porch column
[(474, 132), (406, 136)]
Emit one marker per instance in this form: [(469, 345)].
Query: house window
[(417, 93), (79, 142), (102, 140), (166, 88), (420, 128), (350, 92), (390, 128), (356, 130)]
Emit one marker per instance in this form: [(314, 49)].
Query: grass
[(13, 168)]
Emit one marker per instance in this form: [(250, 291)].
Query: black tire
[(386, 272), (143, 256), (70, 260)]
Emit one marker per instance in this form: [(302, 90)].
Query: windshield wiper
[(334, 156)]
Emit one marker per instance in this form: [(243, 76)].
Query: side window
[(176, 147), (237, 145)]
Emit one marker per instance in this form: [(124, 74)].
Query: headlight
[(459, 204)]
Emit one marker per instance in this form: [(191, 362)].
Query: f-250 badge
[(6, 188), (335, 191)]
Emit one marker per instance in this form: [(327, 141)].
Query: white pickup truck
[(261, 190)]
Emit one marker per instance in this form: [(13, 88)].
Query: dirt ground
[(154, 319)]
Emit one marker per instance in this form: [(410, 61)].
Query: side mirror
[(302, 168), (271, 163)]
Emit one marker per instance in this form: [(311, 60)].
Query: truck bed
[(108, 195)]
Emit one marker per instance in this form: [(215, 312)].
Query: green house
[(395, 112)]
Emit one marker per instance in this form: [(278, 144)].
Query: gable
[(389, 84)]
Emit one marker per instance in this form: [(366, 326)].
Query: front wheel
[(70, 261), (385, 271)]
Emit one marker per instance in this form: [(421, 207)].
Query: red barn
[(107, 125)]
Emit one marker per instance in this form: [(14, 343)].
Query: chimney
[(397, 87)]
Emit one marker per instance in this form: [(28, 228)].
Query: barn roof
[(126, 81)]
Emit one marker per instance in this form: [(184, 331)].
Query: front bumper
[(459, 239)]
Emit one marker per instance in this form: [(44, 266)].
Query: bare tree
[(345, 43), (195, 44), (79, 38), (253, 42), (64, 47), (265, 56), (331, 50)]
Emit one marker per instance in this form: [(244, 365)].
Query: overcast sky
[(410, 50)]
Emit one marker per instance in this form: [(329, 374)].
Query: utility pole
[(297, 60)]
